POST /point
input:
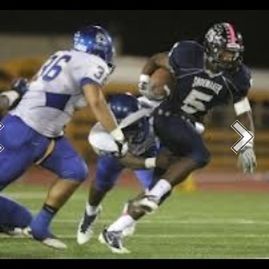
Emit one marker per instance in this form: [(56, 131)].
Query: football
[(162, 81)]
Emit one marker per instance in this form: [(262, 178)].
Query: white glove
[(247, 159), (146, 88), (120, 141), (122, 148), (144, 85)]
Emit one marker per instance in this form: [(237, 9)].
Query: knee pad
[(76, 170), (107, 172)]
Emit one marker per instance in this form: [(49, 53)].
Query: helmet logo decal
[(213, 37), (101, 39), (95, 40), (223, 46)]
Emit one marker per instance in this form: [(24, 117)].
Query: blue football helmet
[(95, 40), (123, 105)]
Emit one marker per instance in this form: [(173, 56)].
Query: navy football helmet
[(123, 105), (95, 40), (224, 46)]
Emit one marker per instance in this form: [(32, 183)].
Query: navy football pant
[(181, 138)]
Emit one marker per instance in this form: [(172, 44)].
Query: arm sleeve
[(241, 82)]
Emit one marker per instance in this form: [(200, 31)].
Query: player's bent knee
[(81, 172), (203, 159), (77, 171)]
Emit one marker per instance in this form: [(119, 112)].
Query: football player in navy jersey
[(206, 76)]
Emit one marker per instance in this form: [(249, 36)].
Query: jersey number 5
[(194, 102)]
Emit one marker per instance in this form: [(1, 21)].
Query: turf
[(199, 224)]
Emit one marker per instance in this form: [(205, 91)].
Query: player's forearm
[(104, 115), (135, 162), (247, 120), (244, 114), (4, 105), (132, 162), (98, 104), (156, 61)]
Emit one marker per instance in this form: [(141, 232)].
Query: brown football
[(159, 79)]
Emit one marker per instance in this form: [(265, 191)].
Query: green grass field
[(190, 225)]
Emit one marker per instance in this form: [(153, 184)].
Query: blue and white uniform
[(141, 140), (42, 114)]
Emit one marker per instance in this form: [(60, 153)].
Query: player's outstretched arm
[(146, 85), (162, 160), (246, 157), (156, 61), (9, 99), (98, 104), (103, 114), (135, 162)]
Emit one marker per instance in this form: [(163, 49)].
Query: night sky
[(145, 32)]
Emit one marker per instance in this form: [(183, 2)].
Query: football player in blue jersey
[(13, 216), (68, 80), (143, 147), (9, 99), (207, 75)]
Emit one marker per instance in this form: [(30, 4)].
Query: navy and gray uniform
[(197, 91)]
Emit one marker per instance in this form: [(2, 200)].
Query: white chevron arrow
[(245, 136), (1, 127)]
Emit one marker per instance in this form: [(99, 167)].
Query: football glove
[(144, 86), (20, 86), (120, 141), (247, 159)]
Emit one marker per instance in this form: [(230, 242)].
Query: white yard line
[(37, 195), (196, 235), (190, 221)]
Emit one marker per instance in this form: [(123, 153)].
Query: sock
[(125, 209), (121, 223), (12, 214), (40, 224), (90, 209), (160, 188)]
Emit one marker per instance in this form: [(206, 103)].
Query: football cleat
[(85, 232), (14, 231), (50, 241), (113, 240)]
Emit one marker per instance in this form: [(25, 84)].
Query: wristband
[(150, 163)]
